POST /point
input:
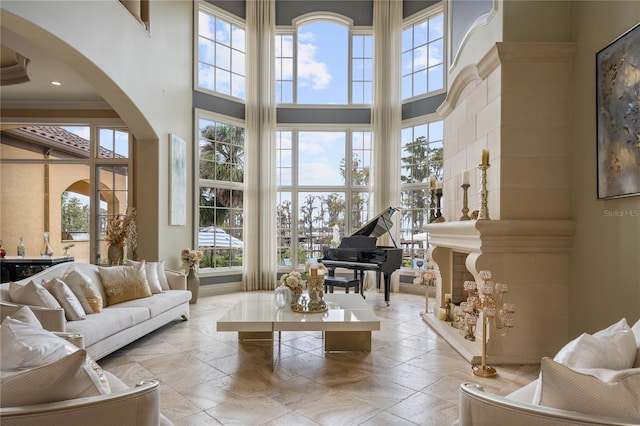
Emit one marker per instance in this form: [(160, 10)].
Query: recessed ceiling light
[(56, 83)]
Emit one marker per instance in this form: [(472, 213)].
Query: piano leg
[(387, 287)]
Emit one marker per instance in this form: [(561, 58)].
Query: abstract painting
[(618, 119), (177, 180)]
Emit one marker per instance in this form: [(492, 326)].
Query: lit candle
[(485, 157), (465, 177), (432, 182)]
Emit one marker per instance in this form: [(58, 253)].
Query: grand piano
[(360, 253)]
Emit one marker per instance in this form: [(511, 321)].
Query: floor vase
[(193, 285)]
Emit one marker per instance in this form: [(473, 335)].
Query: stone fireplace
[(532, 257), (513, 103)]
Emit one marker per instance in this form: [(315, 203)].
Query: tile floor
[(411, 377)]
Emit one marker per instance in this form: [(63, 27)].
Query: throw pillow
[(151, 270), (162, 276), (73, 309), (85, 290), (598, 392), (61, 380), (26, 347), (613, 348), (33, 294), (26, 315), (122, 283)]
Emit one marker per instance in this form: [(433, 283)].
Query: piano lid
[(379, 225)]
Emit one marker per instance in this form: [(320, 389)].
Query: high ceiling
[(42, 69)]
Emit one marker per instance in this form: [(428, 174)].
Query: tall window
[(323, 190), (221, 54), (423, 57), (324, 62), (221, 189), (421, 158)]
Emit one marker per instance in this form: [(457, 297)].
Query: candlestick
[(438, 197), (465, 177), (465, 201), (485, 157), (432, 204), (484, 194)]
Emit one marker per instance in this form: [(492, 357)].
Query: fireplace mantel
[(529, 255), (502, 235)]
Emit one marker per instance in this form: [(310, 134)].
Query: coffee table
[(346, 326)]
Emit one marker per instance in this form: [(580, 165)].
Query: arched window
[(324, 60)]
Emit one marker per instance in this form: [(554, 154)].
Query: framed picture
[(177, 180), (618, 116)]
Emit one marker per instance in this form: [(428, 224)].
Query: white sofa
[(116, 325), (593, 380)]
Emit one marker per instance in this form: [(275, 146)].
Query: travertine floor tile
[(207, 377)]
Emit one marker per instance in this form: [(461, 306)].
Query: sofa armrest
[(52, 319), (176, 280), (478, 407), (137, 406), (76, 339)]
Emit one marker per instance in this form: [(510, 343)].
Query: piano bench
[(346, 283)]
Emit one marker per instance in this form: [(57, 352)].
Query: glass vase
[(47, 250), (20, 251), (283, 297)]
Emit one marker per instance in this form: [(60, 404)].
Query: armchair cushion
[(613, 348), (61, 380), (600, 392)]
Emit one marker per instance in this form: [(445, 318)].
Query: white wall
[(144, 76)]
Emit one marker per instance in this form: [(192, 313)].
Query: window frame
[(348, 189), (420, 17), (211, 183), (352, 30), (233, 20)]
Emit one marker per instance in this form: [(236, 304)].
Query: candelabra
[(465, 202), (484, 194), (486, 298)]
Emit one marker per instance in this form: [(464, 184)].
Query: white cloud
[(311, 71)]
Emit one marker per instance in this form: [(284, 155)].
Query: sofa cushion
[(599, 392), (613, 347), (63, 379), (160, 303), (122, 283), (73, 310), (153, 277), (33, 294), (85, 289), (112, 320)]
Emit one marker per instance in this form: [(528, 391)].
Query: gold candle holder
[(465, 202), (484, 194)]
